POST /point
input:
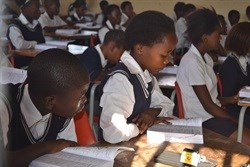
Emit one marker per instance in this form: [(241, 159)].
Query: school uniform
[(127, 91), (194, 70), (75, 18), (234, 74), (22, 123), (181, 32), (23, 34), (46, 21), (99, 19), (106, 28), (124, 18), (94, 60)]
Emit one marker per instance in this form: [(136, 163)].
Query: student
[(111, 22), (127, 13), (79, 12), (181, 27), (49, 20), (103, 56), (248, 13), (25, 31), (197, 79), (235, 71), (223, 32), (132, 100), (88, 17), (100, 17), (178, 11), (233, 18), (36, 115)]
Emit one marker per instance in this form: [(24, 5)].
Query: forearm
[(52, 29)]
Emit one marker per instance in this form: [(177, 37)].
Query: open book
[(80, 157), (245, 92), (181, 131)]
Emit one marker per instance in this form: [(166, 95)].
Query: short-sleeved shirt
[(194, 70), (35, 121), (46, 21)]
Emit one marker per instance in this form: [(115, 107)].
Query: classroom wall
[(166, 6)]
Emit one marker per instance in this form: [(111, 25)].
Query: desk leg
[(240, 123)]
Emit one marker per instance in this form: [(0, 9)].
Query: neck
[(37, 102), (51, 16), (28, 18), (137, 59), (201, 48)]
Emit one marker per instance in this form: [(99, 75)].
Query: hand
[(146, 119), (58, 145)]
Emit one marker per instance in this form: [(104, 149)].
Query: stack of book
[(244, 93)]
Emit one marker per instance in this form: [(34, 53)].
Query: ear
[(138, 49), (204, 38), (50, 101)]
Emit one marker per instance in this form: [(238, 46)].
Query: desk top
[(25, 52), (225, 151), (83, 35)]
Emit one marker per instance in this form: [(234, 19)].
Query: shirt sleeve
[(69, 132), (18, 40), (101, 33), (4, 116), (158, 100), (196, 73), (117, 104)]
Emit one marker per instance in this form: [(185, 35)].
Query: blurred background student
[(127, 13), (100, 16)]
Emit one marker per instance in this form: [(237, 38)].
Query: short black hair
[(55, 72), (233, 13), (50, 2), (148, 28), (103, 4), (116, 36), (221, 17), (248, 10), (187, 8), (79, 3), (200, 22), (179, 6), (238, 39), (24, 3), (124, 4), (108, 10)]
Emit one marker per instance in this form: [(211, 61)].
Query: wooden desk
[(241, 119), (216, 147), (24, 52), (81, 36)]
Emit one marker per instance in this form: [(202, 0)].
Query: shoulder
[(90, 52)]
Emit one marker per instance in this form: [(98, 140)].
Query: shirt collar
[(109, 25), (135, 68), (102, 57), (206, 56), (24, 21), (77, 17), (47, 15), (29, 110)]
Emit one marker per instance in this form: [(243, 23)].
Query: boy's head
[(203, 27), (248, 12), (223, 24), (113, 14), (114, 45), (52, 7), (178, 9), (30, 8), (57, 83), (151, 38), (233, 17), (238, 39), (187, 9), (80, 7), (103, 5), (127, 8)]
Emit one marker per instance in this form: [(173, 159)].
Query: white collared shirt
[(124, 18), (193, 70), (102, 58), (181, 32), (16, 36), (35, 121), (76, 16), (103, 31), (46, 21), (118, 102)]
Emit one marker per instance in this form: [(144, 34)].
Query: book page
[(67, 31), (12, 75), (170, 70), (44, 46), (105, 153), (64, 159), (245, 92), (187, 122)]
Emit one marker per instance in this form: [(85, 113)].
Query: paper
[(88, 26), (87, 33), (181, 131), (170, 70), (245, 92), (12, 75), (67, 31), (44, 46), (76, 49), (80, 157), (58, 43)]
